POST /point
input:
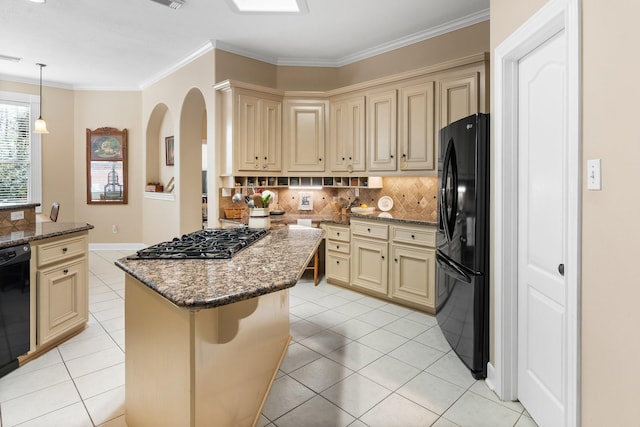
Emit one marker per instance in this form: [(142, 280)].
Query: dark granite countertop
[(398, 218), (271, 264), (337, 218), (10, 206), (17, 235)]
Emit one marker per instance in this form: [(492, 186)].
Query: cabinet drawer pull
[(337, 246), (65, 271), (369, 230), (413, 237), (338, 233), (337, 262), (64, 250)]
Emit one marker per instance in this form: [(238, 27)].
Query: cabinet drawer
[(337, 233), (341, 247), (414, 235), (369, 229), (60, 250)]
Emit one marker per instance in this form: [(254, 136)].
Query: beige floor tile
[(389, 372), (321, 374), (38, 403), (433, 393), (286, 394), (477, 411), (95, 362), (106, 406), (101, 381), (397, 411), (316, 412), (12, 387), (356, 394), (70, 416)]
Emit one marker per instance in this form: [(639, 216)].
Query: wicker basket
[(232, 213)]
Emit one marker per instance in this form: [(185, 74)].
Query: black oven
[(14, 305)]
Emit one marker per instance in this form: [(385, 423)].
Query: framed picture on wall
[(305, 201), (168, 149)]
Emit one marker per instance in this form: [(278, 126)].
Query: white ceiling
[(129, 44)]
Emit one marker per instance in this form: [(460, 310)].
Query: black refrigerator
[(462, 240)]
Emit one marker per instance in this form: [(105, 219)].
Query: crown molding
[(448, 27)]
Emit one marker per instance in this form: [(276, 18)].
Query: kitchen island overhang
[(205, 338)]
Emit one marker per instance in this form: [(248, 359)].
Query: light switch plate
[(594, 176)]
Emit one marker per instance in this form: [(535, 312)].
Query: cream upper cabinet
[(347, 134), (417, 127), (249, 128), (382, 130), (459, 96), (258, 127), (304, 137)]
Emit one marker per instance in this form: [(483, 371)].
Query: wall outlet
[(114, 229), (18, 215)]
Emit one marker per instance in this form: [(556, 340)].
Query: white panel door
[(542, 231)]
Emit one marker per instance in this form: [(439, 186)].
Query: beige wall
[(609, 286), (164, 219), (230, 66), (456, 44), (610, 283), (119, 110), (58, 172)]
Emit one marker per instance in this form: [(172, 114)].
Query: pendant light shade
[(40, 125)]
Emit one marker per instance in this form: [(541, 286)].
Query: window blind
[(15, 151)]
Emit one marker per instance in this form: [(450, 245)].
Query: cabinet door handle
[(382, 256), (391, 156), (65, 271), (350, 158), (256, 157), (369, 230), (413, 237), (337, 262), (395, 259), (337, 234), (337, 246), (64, 250), (343, 158), (404, 155), (320, 159)]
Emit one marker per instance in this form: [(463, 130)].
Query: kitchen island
[(205, 338)]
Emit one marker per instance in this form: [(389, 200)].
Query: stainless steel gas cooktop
[(216, 243)]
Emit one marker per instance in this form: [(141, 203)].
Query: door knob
[(561, 269)]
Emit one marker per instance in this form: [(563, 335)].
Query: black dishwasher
[(14, 305)]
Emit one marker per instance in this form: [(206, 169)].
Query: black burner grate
[(216, 243)]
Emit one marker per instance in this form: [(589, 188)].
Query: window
[(20, 171)]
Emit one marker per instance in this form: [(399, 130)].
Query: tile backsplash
[(411, 195)]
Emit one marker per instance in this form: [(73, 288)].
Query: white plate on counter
[(385, 203)]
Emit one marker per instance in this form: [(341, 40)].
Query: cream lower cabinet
[(396, 262), (337, 254), (369, 265), (412, 265), (62, 287)]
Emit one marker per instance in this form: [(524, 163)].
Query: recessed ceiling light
[(269, 6), (38, 1)]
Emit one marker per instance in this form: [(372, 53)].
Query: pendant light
[(40, 125)]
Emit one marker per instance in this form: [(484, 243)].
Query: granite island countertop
[(273, 263), (20, 234)]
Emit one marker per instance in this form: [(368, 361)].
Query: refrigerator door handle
[(449, 213), (453, 269)]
